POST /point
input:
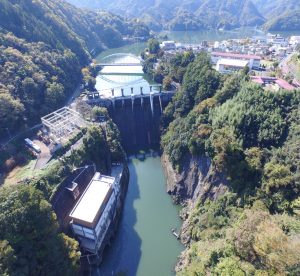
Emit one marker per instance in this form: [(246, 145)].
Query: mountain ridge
[(186, 14), (204, 14)]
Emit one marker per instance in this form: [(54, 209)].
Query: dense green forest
[(183, 15), (30, 243), (252, 137), (43, 45)]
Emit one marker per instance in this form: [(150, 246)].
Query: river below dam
[(144, 244)]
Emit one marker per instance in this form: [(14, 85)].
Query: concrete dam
[(134, 103)]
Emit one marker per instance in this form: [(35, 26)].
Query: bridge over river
[(122, 82), (120, 59)]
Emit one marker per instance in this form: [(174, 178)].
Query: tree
[(88, 78), (96, 148), (201, 81), (244, 234), (7, 258), (229, 267), (230, 88), (276, 176), (54, 95), (10, 113), (33, 245), (153, 46), (275, 249), (100, 111), (167, 83)]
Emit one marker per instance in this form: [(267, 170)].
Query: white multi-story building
[(227, 66), (95, 211), (253, 61)]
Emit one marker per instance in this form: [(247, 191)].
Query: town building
[(272, 83), (252, 60), (168, 45), (294, 40), (227, 66), (95, 211), (277, 40)]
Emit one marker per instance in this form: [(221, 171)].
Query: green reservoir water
[(144, 244), (195, 37)]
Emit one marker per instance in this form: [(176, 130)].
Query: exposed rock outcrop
[(198, 180)]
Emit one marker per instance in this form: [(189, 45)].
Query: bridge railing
[(96, 97), (126, 59)]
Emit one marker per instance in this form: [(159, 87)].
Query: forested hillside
[(289, 21), (281, 15), (43, 45), (183, 15), (274, 8), (251, 136)]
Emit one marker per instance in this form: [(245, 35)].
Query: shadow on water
[(124, 254)]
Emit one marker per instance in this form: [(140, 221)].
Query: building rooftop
[(234, 55), (272, 80), (92, 202), (233, 62), (284, 84), (168, 42)]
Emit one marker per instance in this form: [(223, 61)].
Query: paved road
[(284, 66), (76, 94), (6, 141)]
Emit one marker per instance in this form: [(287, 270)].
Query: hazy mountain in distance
[(183, 15), (271, 8), (289, 21), (281, 15)]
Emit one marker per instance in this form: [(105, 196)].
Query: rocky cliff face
[(197, 181)]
